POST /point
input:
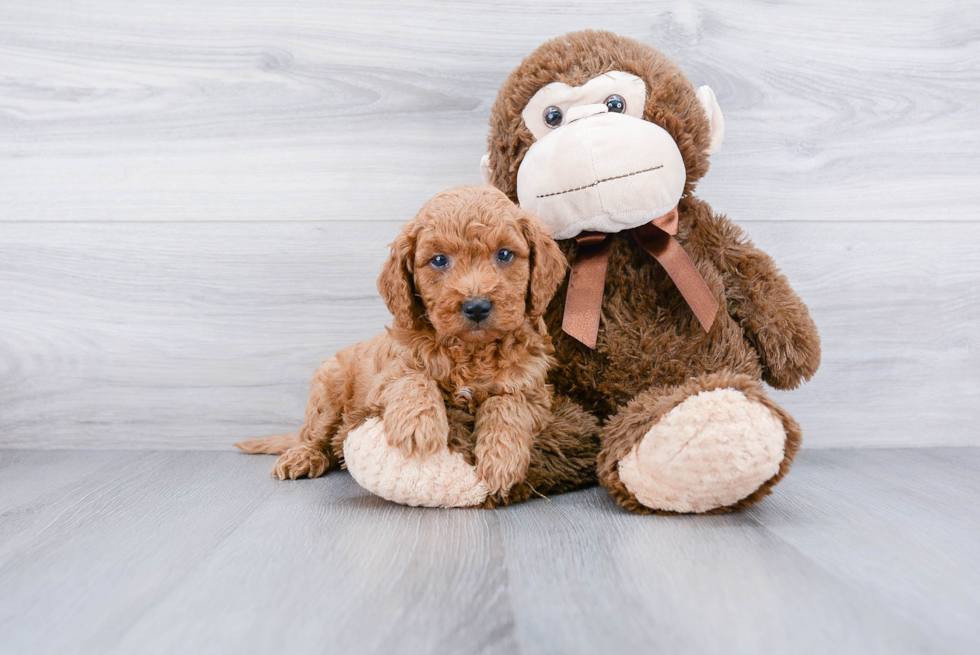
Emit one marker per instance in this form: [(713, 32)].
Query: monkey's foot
[(444, 479), (716, 444)]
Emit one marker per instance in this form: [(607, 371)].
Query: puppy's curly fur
[(467, 243)]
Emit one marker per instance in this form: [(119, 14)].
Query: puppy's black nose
[(476, 309)]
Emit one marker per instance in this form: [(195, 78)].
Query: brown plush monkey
[(672, 316)]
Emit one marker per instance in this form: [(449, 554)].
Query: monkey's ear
[(715, 120), (396, 284), (485, 169), (548, 264)]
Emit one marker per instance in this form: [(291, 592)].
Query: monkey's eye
[(439, 261), (616, 104), (505, 256), (552, 116)]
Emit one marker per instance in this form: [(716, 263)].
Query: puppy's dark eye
[(615, 104), (439, 261), (553, 116), (505, 256)]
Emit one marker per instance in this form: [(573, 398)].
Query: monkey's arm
[(776, 322)]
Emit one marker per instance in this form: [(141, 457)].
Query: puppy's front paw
[(416, 431), (500, 475), (301, 461)]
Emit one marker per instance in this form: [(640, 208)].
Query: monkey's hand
[(776, 322)]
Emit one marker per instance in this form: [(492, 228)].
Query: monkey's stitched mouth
[(598, 182)]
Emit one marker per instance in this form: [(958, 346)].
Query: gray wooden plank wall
[(195, 197)]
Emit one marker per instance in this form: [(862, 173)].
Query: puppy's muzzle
[(476, 309)]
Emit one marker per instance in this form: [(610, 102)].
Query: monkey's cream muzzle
[(601, 172)]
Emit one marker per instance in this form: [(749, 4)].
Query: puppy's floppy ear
[(548, 264), (396, 282)]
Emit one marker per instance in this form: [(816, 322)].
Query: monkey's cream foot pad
[(710, 451), (440, 480)]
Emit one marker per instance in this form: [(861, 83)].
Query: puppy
[(467, 282)]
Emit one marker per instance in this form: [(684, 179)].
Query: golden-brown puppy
[(467, 282)]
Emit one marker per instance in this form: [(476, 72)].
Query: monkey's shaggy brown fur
[(651, 352), (563, 455)]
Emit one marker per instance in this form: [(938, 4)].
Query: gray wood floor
[(860, 551)]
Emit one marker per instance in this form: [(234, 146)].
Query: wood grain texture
[(196, 199), (914, 507), (198, 335), (196, 195), (161, 552), (130, 111)]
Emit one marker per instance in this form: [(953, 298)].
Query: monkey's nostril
[(476, 309)]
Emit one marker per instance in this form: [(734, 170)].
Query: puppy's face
[(477, 265), (472, 272)]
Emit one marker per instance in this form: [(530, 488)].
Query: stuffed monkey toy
[(670, 318)]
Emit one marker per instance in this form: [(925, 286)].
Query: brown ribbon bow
[(583, 302)]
